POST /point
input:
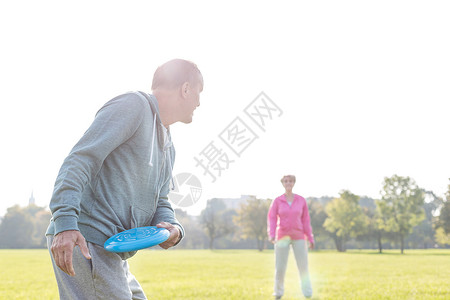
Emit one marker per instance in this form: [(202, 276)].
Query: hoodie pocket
[(140, 217)]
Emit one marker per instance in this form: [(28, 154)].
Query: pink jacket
[(289, 220)]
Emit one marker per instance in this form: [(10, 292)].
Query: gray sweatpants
[(301, 257), (105, 276)]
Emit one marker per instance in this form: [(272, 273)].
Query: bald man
[(118, 177)]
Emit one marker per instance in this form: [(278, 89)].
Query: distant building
[(31, 201)]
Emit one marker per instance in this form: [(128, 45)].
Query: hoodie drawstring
[(171, 175), (165, 148), (153, 140)]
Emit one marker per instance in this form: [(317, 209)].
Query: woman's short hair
[(288, 176), (174, 73)]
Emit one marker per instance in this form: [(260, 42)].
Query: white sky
[(364, 88)]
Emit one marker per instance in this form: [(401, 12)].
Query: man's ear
[(185, 89)]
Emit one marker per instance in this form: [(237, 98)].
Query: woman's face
[(288, 183)]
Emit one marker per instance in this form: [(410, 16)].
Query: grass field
[(248, 274)]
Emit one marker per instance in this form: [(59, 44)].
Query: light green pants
[(300, 250), (105, 276)]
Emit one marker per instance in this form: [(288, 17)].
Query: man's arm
[(165, 217), (115, 122), (62, 249), (175, 234)]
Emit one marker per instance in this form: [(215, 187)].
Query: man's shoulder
[(130, 98), (128, 104)]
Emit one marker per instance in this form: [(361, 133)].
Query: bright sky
[(363, 86)]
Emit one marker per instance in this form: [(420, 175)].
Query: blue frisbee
[(136, 239)]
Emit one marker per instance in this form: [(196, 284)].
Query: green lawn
[(248, 274)]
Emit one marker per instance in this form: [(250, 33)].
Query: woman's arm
[(272, 220), (306, 221)]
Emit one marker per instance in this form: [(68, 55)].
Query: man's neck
[(166, 113)]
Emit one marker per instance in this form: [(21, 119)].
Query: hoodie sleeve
[(114, 123), (272, 218), (307, 223), (164, 211)]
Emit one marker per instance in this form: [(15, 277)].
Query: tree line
[(24, 227), (405, 216)]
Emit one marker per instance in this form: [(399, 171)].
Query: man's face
[(192, 101)]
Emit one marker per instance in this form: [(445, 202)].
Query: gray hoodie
[(117, 176)]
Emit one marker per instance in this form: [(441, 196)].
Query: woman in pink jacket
[(288, 224)]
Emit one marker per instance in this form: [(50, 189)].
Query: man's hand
[(175, 235), (272, 240), (311, 245), (62, 249)]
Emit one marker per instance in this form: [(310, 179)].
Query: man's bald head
[(174, 73)]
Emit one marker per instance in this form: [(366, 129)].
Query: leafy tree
[(444, 217), (216, 220), (229, 230), (442, 237), (400, 206), (345, 219), (372, 232), (317, 216), (195, 237), (423, 234), (40, 223), (443, 222), (24, 227), (251, 218), (16, 229), (370, 229)]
